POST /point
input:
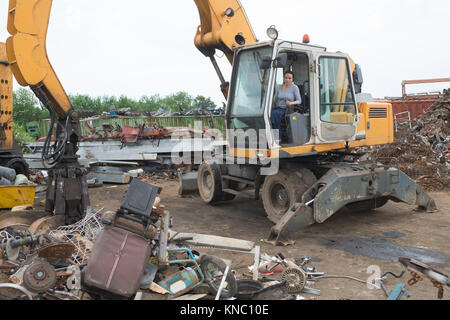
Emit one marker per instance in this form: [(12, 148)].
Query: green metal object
[(33, 129)]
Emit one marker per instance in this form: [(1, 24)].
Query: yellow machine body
[(6, 102), (376, 124)]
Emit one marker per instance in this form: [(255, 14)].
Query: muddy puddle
[(379, 248)]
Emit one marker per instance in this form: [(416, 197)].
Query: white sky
[(145, 47)]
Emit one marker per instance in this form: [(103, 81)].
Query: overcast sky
[(145, 47)]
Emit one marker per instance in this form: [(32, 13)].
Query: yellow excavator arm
[(27, 53), (224, 26)]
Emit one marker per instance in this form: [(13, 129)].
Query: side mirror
[(266, 62), (281, 61), (358, 79)]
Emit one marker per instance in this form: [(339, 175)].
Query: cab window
[(249, 92), (337, 102)]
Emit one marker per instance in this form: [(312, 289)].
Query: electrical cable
[(52, 158), (59, 147), (345, 277)]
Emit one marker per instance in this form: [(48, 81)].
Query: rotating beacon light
[(306, 39)]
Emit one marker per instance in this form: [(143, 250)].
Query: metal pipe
[(405, 82), (216, 67), (219, 292), (17, 287), (8, 173)]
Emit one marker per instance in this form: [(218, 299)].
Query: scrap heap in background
[(423, 150)]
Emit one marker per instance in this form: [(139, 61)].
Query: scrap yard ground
[(383, 233)]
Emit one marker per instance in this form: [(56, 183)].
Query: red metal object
[(57, 253), (117, 262), (416, 105), (130, 134)]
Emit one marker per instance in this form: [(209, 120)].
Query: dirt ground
[(395, 224)]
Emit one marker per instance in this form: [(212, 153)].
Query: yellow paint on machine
[(376, 120), (6, 103), (13, 196), (27, 52)]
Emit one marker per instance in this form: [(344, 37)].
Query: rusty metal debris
[(49, 265), (422, 151), (419, 271)]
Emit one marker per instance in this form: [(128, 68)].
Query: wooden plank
[(217, 242), (191, 297)]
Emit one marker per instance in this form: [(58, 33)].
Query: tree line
[(27, 107)]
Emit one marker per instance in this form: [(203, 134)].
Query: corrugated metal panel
[(416, 105)]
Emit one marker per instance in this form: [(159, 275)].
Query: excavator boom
[(27, 53), (224, 26)]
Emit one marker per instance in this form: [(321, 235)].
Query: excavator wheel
[(367, 205), (209, 183), (281, 191)]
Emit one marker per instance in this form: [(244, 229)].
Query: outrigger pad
[(297, 218), (424, 202)]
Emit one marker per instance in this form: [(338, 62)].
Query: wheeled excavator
[(310, 169), (312, 177)]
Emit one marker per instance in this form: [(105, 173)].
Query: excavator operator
[(286, 96)]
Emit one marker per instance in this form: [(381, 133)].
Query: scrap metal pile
[(191, 112), (165, 112), (127, 134), (423, 150), (107, 255), (131, 134)]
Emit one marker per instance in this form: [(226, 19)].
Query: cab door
[(335, 104)]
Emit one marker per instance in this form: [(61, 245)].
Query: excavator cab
[(328, 112)]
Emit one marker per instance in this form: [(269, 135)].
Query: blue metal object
[(398, 292), (180, 282), (187, 278)]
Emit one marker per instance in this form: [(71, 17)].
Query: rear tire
[(281, 191)]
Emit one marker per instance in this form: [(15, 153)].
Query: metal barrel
[(8, 173)]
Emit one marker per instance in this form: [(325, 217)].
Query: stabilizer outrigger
[(362, 186)]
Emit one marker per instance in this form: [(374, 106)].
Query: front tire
[(281, 191), (209, 182)]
